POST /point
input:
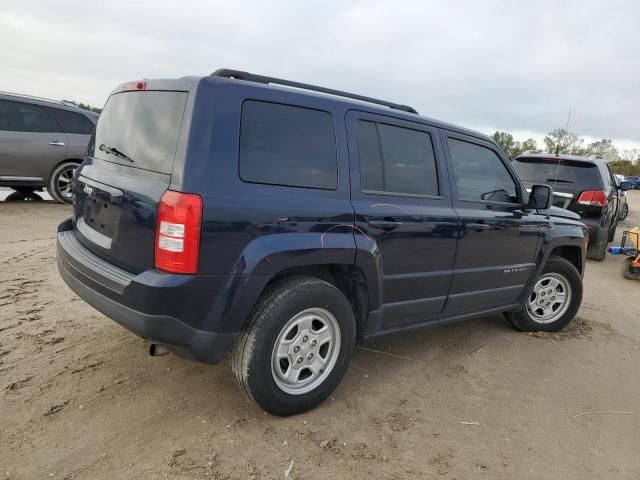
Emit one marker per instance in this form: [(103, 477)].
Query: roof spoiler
[(252, 77)]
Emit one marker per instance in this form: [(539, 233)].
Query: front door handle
[(478, 227), (385, 224), (57, 143)]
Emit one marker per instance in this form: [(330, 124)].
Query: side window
[(6, 116), (396, 159), (480, 174), (286, 145), (23, 117), (71, 122)]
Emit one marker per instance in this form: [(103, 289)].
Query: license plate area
[(101, 216)]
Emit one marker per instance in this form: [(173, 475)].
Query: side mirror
[(540, 197), (624, 186)]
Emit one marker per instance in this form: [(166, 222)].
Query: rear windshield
[(558, 171), (140, 129)]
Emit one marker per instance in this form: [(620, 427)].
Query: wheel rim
[(550, 298), (65, 183), (305, 351)]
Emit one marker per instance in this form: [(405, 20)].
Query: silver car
[(41, 144)]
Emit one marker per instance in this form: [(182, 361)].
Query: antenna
[(566, 129)]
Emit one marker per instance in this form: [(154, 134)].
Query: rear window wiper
[(558, 180), (114, 151)]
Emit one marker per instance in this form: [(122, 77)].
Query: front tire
[(60, 185), (554, 301), (296, 347)]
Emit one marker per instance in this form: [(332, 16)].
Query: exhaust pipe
[(158, 350)]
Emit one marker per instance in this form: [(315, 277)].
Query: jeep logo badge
[(87, 189)]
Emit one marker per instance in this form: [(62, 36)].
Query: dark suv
[(41, 144), (584, 185), (234, 213)]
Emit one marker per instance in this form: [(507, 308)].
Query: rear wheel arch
[(53, 185), (349, 279), (77, 161)]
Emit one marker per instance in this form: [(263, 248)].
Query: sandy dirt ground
[(81, 399)]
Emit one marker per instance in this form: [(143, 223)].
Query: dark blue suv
[(285, 222)]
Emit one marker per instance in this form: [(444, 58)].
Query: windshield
[(140, 129), (558, 171)]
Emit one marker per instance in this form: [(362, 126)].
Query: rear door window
[(287, 145), (71, 122), (24, 117), (480, 174), (395, 159)]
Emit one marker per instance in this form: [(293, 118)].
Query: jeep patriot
[(285, 223)]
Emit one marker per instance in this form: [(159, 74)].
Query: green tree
[(84, 106), (508, 145), (632, 155), (561, 140), (604, 148), (529, 144)]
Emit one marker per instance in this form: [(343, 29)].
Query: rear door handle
[(57, 143), (478, 227), (384, 224)]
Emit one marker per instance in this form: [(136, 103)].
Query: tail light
[(178, 232), (594, 198)]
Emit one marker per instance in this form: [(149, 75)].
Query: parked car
[(41, 144), (584, 185), (634, 181), (231, 213), (623, 211)]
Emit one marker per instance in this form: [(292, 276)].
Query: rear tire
[(559, 278), (624, 212), (299, 314), (597, 252), (629, 272), (21, 196), (60, 185)]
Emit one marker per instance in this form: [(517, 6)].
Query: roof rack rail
[(251, 77), (42, 99)]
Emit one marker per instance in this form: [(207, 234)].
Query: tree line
[(560, 140), (84, 106)]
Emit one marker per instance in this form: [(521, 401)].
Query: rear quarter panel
[(259, 229)]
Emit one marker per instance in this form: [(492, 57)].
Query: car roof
[(188, 82), (358, 105), (45, 102)]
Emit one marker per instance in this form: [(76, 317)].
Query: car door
[(499, 238), (30, 142), (402, 201), (76, 127)]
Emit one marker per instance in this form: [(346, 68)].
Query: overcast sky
[(510, 65)]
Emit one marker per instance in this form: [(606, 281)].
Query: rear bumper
[(153, 305)]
